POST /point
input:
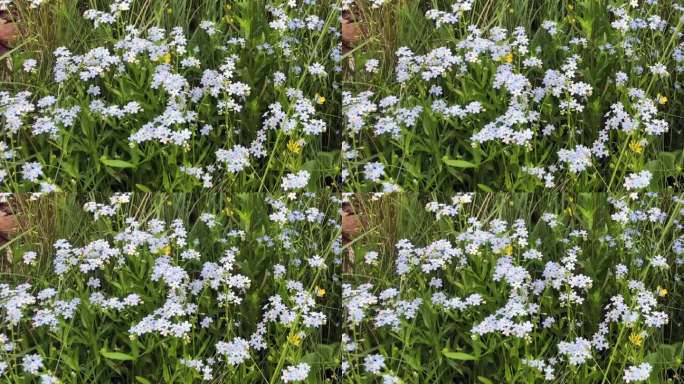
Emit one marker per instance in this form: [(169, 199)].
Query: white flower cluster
[(546, 367), (450, 210), (204, 367), (638, 180), (453, 17), (637, 373), (456, 303), (297, 180), (115, 202), (440, 254), (577, 352), (115, 10), (98, 299), (296, 373)]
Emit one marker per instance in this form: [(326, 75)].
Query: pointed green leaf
[(116, 163), (457, 355), (115, 355), (458, 163)]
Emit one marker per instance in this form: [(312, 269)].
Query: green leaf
[(485, 188), (116, 163), (458, 163), (484, 380), (115, 355), (71, 362), (143, 188), (142, 380), (457, 355)]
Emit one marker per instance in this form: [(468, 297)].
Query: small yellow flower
[(228, 212), (320, 292), (568, 211), (227, 19), (636, 146), (227, 7), (320, 100), (166, 250), (294, 146), (508, 58), (662, 99), (662, 292), (167, 58), (295, 340), (509, 250), (636, 339)]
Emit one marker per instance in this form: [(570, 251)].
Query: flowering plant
[(515, 288), (144, 291), (472, 97), (231, 99)]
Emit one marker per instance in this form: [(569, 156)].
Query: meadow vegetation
[(342, 191)]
